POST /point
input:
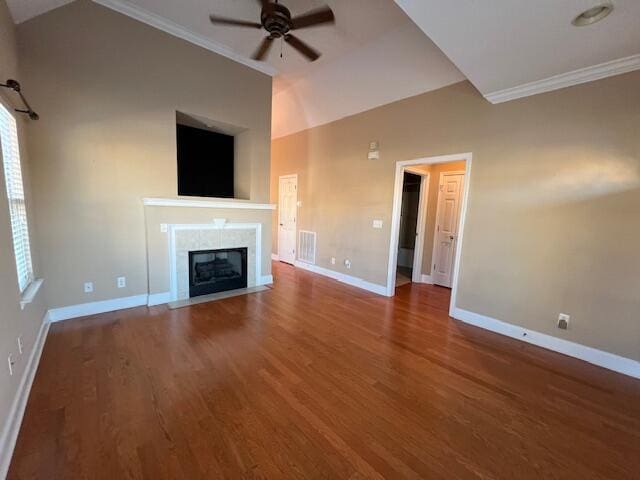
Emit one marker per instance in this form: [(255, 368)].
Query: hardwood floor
[(314, 379)]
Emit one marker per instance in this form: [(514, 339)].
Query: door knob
[(451, 237)]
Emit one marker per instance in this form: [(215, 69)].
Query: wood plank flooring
[(317, 380)]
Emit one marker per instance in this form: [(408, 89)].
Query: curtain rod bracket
[(15, 86)]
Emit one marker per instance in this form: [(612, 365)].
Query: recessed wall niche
[(212, 158)]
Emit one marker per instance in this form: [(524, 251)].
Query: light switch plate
[(163, 228), (377, 224), (122, 282), (374, 155)]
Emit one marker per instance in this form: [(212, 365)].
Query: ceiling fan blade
[(263, 49), (313, 18), (232, 21), (302, 47)]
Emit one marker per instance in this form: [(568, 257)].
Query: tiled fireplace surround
[(204, 225), (188, 238)]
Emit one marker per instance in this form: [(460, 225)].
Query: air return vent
[(307, 247)]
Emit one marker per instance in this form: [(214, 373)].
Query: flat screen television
[(205, 163)]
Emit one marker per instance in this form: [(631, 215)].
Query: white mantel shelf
[(182, 202)]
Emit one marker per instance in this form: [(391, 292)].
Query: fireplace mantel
[(190, 203)]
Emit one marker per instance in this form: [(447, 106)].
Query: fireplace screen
[(212, 271)]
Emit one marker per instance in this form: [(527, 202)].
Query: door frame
[(421, 225), (295, 256), (438, 212), (395, 219)]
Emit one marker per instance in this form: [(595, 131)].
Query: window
[(15, 196)]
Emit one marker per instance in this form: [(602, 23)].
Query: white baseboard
[(93, 308), (275, 257), (592, 355), (426, 279), (158, 299), (14, 418), (266, 280), (341, 277)]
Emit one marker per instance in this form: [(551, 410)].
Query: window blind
[(15, 197)]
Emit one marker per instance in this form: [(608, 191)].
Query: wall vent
[(307, 247)]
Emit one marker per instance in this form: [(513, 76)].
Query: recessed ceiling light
[(593, 15)]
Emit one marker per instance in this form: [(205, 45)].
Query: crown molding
[(575, 77), (172, 28)]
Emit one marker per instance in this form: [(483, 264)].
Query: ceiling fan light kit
[(276, 19), (592, 15)]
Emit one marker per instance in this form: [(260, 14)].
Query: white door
[(447, 220), (287, 212)]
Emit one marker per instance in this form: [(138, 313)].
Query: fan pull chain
[(281, 44)]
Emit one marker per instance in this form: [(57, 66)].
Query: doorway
[(440, 221), (287, 213), (411, 235)]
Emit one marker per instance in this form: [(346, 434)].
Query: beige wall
[(157, 241), (107, 89), (553, 221), (14, 322)]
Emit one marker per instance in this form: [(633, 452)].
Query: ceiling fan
[(277, 21)]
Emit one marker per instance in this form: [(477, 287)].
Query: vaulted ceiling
[(514, 48), (380, 51)]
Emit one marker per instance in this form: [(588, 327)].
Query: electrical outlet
[(563, 321), (122, 282), (11, 363), (20, 348), (88, 287), (347, 263), (333, 260)]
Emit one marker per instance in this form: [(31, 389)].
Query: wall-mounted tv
[(205, 163)]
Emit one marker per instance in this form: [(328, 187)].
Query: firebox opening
[(212, 271)]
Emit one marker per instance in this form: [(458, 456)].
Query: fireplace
[(212, 271)]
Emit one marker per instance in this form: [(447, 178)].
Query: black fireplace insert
[(212, 271)]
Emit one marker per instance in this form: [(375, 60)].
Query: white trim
[(575, 77), (275, 257), (93, 308), (395, 218), (266, 280), (181, 202), (426, 279), (423, 205), (438, 213), (592, 355), (291, 175), (13, 420), (173, 275), (341, 277), (158, 299), (30, 292), (172, 28)]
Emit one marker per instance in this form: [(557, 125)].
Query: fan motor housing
[(276, 19)]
